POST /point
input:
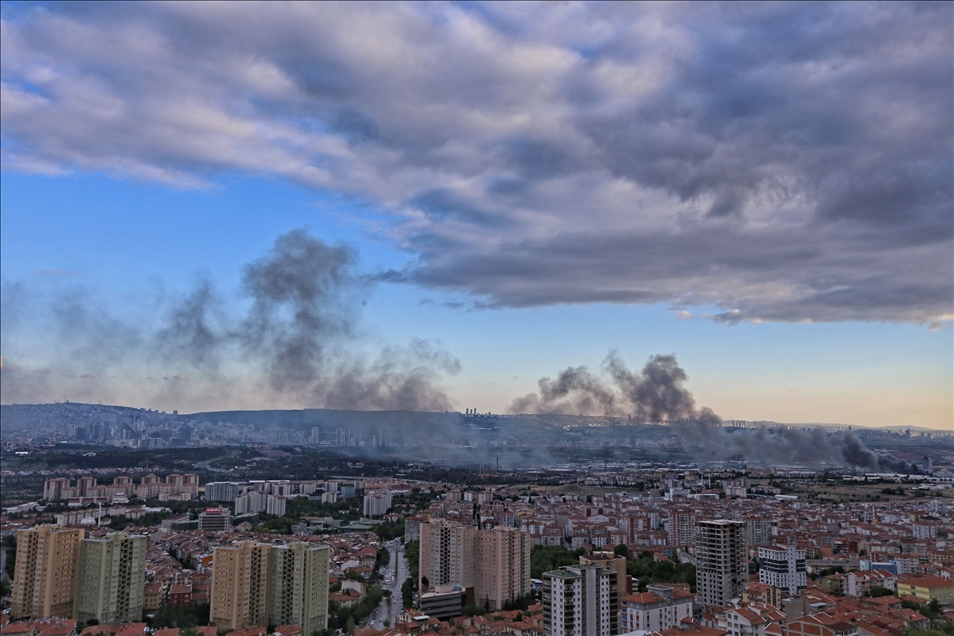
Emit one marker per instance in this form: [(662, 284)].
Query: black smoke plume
[(658, 394), (292, 341)]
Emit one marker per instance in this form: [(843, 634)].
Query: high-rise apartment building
[(721, 572), (44, 578), (85, 485), (759, 532), (783, 567), (377, 503), (681, 527), (611, 561), (298, 586), (580, 600), (447, 554), (239, 585), (503, 566), (112, 573), (53, 488), (221, 491)]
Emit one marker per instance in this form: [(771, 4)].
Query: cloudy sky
[(486, 194)]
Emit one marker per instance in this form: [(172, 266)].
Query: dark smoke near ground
[(657, 395), (294, 342)]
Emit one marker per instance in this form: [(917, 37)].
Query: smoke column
[(290, 341), (658, 394)]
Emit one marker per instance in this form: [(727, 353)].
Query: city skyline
[(412, 206)]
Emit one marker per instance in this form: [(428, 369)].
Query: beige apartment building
[(44, 579), (298, 586), (239, 585), (256, 584), (112, 573), (448, 551), (503, 566)]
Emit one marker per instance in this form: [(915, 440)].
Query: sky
[(435, 206)]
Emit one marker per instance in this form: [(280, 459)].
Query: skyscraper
[(298, 586), (447, 554), (239, 585), (112, 574), (503, 566), (580, 600), (721, 572), (44, 579)]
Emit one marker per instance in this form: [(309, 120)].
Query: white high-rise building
[(377, 503), (721, 571), (580, 600), (783, 567), (221, 491)]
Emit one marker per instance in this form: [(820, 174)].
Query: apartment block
[(721, 572), (659, 607), (783, 567), (680, 526), (46, 568), (298, 586), (377, 503), (221, 491), (257, 584), (447, 554), (239, 585), (503, 566), (580, 600), (112, 574)]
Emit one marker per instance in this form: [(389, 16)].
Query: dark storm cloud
[(776, 161), (295, 341)]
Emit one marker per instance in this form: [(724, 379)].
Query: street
[(395, 572)]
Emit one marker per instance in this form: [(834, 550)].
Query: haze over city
[(515, 208)]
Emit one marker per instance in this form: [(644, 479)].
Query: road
[(396, 572)]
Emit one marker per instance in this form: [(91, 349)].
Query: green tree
[(621, 550)]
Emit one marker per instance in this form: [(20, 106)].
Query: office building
[(44, 578), (239, 585), (298, 586), (721, 572), (503, 566), (580, 600), (112, 573), (783, 567), (215, 520), (447, 555)]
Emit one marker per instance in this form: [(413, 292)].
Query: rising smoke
[(294, 342), (658, 394)]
